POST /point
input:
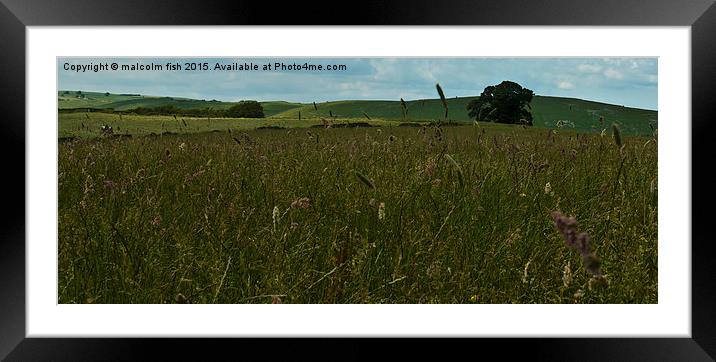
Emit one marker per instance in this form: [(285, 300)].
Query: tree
[(507, 102), (246, 109)]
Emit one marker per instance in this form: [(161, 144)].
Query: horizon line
[(348, 100)]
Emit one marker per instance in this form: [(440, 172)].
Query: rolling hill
[(124, 102), (582, 115)]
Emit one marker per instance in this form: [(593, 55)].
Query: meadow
[(355, 215), (88, 125)]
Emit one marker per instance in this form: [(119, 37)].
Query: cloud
[(565, 85), (589, 68), (612, 73)]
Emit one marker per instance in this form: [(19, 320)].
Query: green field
[(584, 115), (363, 215), (88, 125)]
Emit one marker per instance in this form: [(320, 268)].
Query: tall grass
[(442, 99), (282, 216)]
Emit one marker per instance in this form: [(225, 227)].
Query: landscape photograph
[(357, 180)]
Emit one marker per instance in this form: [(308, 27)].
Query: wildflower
[(430, 167), (275, 215), (567, 226), (473, 298), (110, 184), (381, 211), (547, 188), (523, 194), (567, 275), (578, 294), (88, 185), (301, 203), (182, 146)]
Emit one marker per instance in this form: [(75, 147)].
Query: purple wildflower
[(567, 226)]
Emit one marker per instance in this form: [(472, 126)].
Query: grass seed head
[(301, 203), (442, 98), (457, 168), (617, 135)]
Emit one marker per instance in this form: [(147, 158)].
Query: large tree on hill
[(507, 102), (246, 109)]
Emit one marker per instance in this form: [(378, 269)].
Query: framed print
[(469, 171)]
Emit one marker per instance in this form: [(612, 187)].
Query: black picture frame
[(16, 15)]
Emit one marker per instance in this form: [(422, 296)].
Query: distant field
[(88, 125), (584, 115)]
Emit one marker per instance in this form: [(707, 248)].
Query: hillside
[(126, 102), (545, 110)]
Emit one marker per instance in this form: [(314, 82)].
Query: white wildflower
[(567, 275), (276, 214), (578, 294)]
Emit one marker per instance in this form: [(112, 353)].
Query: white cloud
[(612, 73), (565, 85), (589, 68)]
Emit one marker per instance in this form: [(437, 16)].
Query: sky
[(631, 82)]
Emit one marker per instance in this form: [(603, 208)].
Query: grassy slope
[(546, 110), (123, 103)]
